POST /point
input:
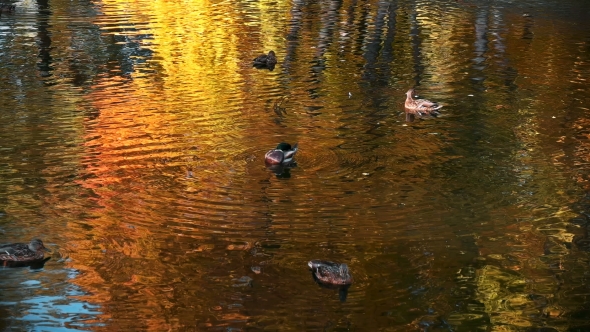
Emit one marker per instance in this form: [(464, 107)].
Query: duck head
[(410, 93), (284, 146), (37, 245)]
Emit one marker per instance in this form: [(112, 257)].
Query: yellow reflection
[(194, 56)]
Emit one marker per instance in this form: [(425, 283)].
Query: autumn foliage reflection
[(188, 230)]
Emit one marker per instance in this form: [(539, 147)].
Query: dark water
[(132, 137)]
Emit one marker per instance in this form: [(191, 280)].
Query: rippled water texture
[(132, 141)]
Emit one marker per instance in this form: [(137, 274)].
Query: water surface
[(132, 139)]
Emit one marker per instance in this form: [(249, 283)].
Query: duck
[(266, 60), (7, 8), (420, 106), (23, 252), (330, 273), (281, 155)]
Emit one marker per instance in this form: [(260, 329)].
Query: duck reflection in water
[(331, 275), (266, 61), (419, 107), (24, 254), (282, 171)]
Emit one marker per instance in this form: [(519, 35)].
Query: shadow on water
[(282, 171), (133, 139), (342, 290), (33, 265)]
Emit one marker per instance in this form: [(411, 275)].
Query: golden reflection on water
[(178, 118), (183, 107)]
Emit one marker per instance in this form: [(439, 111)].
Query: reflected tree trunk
[(374, 41), (416, 41), (480, 47), (44, 39)]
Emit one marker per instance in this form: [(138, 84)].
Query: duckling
[(22, 252), (266, 61), (420, 106), (283, 154)]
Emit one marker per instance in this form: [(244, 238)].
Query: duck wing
[(15, 248), (14, 251), (274, 157), (325, 274), (427, 104), (260, 60)]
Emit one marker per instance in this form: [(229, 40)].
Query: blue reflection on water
[(44, 299)]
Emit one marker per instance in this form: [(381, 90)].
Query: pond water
[(133, 134)]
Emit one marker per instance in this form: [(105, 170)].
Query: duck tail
[(437, 107), (433, 111)]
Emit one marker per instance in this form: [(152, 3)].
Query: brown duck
[(420, 106), (330, 273), (22, 252)]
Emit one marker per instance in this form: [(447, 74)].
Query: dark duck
[(282, 155), (266, 61), (7, 8), (12, 254), (331, 275), (420, 106)]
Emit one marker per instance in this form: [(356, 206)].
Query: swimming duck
[(330, 273), (7, 8), (283, 154), (22, 252), (420, 106), (266, 61)]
